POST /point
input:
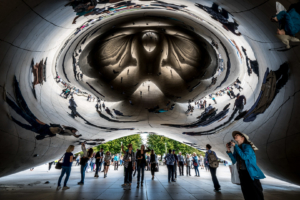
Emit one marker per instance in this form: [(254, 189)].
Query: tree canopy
[(161, 145), (114, 146), (155, 142)]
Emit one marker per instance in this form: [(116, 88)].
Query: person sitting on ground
[(65, 92), (289, 25)]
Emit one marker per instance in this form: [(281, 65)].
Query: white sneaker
[(127, 187), (65, 188), (124, 185), (58, 188)]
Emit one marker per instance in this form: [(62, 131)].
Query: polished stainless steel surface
[(149, 54)]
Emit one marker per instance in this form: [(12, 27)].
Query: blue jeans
[(92, 166), (139, 168), (67, 171), (214, 178), (196, 170), (170, 172), (128, 174), (82, 171), (98, 167), (174, 170)]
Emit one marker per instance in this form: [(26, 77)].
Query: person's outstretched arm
[(122, 148), (83, 149)]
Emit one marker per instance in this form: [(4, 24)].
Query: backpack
[(212, 160)]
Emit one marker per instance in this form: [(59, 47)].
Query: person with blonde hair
[(66, 167), (107, 160), (195, 163)]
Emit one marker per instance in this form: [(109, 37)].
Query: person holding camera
[(249, 172)]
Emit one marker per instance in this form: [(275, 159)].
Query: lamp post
[(166, 147), (121, 149)]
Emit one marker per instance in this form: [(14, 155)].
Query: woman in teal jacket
[(249, 172), (289, 22)]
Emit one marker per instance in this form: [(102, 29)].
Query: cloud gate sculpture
[(144, 66)]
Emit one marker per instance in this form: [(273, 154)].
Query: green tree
[(161, 145), (114, 146)]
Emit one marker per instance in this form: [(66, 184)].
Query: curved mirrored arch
[(202, 51)]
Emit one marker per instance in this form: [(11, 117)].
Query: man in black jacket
[(99, 159)]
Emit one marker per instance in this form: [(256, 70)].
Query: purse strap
[(61, 157)]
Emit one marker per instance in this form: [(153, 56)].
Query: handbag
[(156, 168), (235, 179), (59, 164)]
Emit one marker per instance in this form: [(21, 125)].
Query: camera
[(229, 143)]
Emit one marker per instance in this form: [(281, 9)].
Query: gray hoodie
[(188, 162)]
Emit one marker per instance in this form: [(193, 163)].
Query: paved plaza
[(30, 185)]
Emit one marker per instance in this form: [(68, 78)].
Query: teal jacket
[(248, 155), (291, 21)]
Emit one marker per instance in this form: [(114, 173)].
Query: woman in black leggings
[(154, 163)]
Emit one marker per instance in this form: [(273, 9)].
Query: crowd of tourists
[(243, 158), (203, 104)]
